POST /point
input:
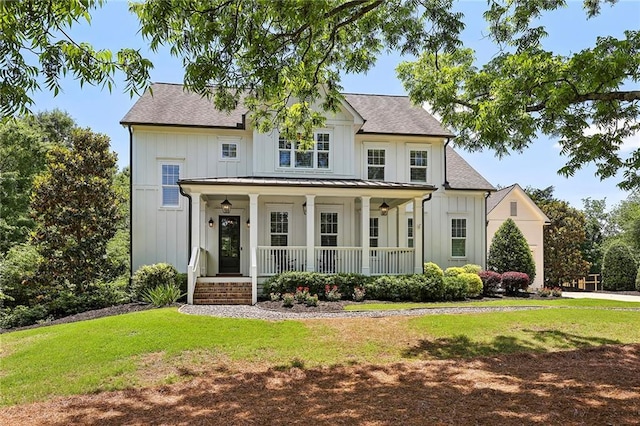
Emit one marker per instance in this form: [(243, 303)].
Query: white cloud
[(628, 144)]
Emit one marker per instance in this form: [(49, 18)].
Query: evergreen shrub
[(619, 268), (510, 251), (514, 282), (490, 282), (148, 277)]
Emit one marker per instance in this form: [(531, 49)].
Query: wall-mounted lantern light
[(211, 222), (248, 223), (304, 208)]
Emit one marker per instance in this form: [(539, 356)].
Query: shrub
[(618, 268), (311, 300), (287, 300), (556, 292), (544, 292), (638, 279), (490, 282), (331, 293), (21, 316), (97, 295), (359, 294), (162, 295), (454, 271), (474, 284), (471, 268), (510, 251), (513, 282), (432, 270), (148, 277), (454, 288), (17, 269), (181, 281)]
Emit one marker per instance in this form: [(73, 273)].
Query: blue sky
[(113, 27)]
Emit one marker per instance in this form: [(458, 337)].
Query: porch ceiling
[(302, 186)]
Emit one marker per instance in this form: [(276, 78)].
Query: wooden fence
[(591, 282)]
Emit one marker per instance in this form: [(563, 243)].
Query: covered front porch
[(253, 228)]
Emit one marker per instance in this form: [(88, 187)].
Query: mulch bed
[(595, 385)]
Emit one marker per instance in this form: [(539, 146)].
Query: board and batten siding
[(159, 233)]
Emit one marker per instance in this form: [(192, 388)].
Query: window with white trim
[(458, 237), (170, 189), (514, 208), (418, 166), (229, 151), (409, 232), (279, 229), (374, 231), (329, 229), (290, 153), (375, 164)]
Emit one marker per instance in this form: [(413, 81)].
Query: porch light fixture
[(226, 206), (384, 208), (304, 208), (211, 222), (248, 223)]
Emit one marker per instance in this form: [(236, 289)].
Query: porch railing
[(275, 260), (391, 261), (332, 260), (194, 271)]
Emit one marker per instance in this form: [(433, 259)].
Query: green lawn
[(163, 346)]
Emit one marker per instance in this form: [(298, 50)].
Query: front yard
[(167, 362)]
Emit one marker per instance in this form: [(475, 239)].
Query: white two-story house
[(381, 192)]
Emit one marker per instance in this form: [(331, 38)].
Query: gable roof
[(495, 198), (171, 105), (460, 174)]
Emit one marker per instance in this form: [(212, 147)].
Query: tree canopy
[(282, 58)]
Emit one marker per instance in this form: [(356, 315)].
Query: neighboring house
[(232, 206), (512, 202)]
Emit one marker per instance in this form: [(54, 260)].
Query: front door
[(229, 245)]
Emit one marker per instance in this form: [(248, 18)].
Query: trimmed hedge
[(474, 284), (287, 282), (513, 282), (490, 282), (619, 268)]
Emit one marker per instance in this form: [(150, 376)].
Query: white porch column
[(311, 232), (253, 246), (195, 221), (418, 215), (366, 258)]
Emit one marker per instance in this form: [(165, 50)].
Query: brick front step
[(225, 293)]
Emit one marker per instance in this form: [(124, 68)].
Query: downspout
[(424, 200), (486, 228), (130, 203), (446, 182), (184, 194)]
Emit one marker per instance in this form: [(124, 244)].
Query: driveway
[(605, 296)]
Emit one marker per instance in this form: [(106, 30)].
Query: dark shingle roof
[(173, 106), (461, 175), (394, 115), (495, 198)]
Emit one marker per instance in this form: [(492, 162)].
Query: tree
[(625, 221), (510, 252), (619, 268), (76, 211), (266, 54), (596, 231), (563, 238), (23, 145)]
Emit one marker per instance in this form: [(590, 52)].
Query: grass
[(164, 346), (551, 302)]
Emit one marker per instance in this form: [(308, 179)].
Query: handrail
[(193, 272)]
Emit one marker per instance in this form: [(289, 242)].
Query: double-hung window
[(375, 164), (279, 229), (418, 166), (374, 231), (458, 237), (170, 189), (229, 151), (409, 232), (291, 154), (328, 229)]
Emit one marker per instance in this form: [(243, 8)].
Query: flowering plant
[(274, 296), (301, 294), (311, 300), (544, 292), (358, 294), (331, 293), (287, 300), (556, 292)]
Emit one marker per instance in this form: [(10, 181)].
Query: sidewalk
[(605, 296)]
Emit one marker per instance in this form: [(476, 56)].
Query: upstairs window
[(229, 151), (290, 153), (409, 232), (458, 237), (375, 164), (170, 189), (418, 166)]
